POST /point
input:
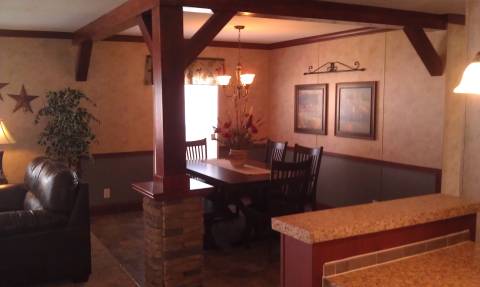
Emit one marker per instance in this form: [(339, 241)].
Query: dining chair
[(196, 150), (275, 151), (302, 153), (286, 194)]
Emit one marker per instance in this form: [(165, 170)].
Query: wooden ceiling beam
[(83, 61), (206, 34), (322, 10), (145, 24), (115, 21), (425, 50), (328, 37)]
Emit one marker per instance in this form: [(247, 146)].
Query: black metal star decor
[(23, 100), (2, 85)]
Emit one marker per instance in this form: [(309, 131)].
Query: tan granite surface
[(457, 265), (336, 223)]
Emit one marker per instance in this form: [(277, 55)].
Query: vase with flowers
[(238, 135)]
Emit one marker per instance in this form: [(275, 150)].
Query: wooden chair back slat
[(291, 180), (196, 150), (302, 153), (275, 151)]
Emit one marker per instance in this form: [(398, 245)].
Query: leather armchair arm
[(25, 221), (12, 197), (80, 215)]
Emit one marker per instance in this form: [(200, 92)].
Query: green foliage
[(67, 135)]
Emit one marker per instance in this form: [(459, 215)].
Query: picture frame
[(311, 109), (355, 110)]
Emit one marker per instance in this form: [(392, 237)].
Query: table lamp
[(5, 138)]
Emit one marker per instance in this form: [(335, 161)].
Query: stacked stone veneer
[(173, 242)]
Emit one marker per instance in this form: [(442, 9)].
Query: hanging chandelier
[(242, 81), (469, 84)]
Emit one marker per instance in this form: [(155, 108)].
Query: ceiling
[(258, 30), (430, 6), (70, 15)]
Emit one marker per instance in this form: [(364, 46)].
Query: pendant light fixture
[(242, 80), (470, 82)]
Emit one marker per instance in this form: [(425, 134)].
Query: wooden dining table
[(216, 172)]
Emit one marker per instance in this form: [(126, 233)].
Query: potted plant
[(238, 135), (67, 135)]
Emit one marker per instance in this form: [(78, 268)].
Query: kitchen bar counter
[(457, 265), (338, 223), (309, 240)]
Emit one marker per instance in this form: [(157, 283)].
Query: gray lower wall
[(116, 172), (342, 181)]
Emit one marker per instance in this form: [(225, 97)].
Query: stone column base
[(173, 242)]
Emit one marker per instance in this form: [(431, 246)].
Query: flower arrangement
[(240, 134)]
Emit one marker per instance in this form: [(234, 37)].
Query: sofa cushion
[(52, 183), (18, 222), (12, 197), (31, 202)]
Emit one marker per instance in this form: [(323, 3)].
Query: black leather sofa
[(44, 227)]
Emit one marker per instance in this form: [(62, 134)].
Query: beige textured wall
[(454, 127), (124, 103), (409, 101)]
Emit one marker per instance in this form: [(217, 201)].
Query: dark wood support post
[(425, 50), (173, 221), (169, 106), (83, 61), (145, 24), (205, 35)]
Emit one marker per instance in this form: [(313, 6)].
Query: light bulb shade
[(470, 82), (247, 79), (223, 80), (5, 136)]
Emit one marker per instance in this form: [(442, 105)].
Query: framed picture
[(355, 109), (311, 109)]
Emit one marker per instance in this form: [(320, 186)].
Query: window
[(201, 114)]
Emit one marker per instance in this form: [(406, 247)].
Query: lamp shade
[(247, 79), (5, 136), (470, 82), (223, 80)]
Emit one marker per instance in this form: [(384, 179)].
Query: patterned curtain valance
[(204, 70), (201, 72)]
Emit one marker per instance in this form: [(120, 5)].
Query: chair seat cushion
[(24, 221), (11, 197)]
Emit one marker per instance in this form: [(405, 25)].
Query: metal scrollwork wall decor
[(334, 67)]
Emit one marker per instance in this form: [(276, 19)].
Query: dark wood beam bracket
[(145, 24), (115, 21), (425, 50), (203, 37), (83, 61)]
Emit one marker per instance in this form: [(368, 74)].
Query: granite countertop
[(457, 265), (337, 223)]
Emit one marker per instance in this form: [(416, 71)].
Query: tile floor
[(117, 258), (122, 234)]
